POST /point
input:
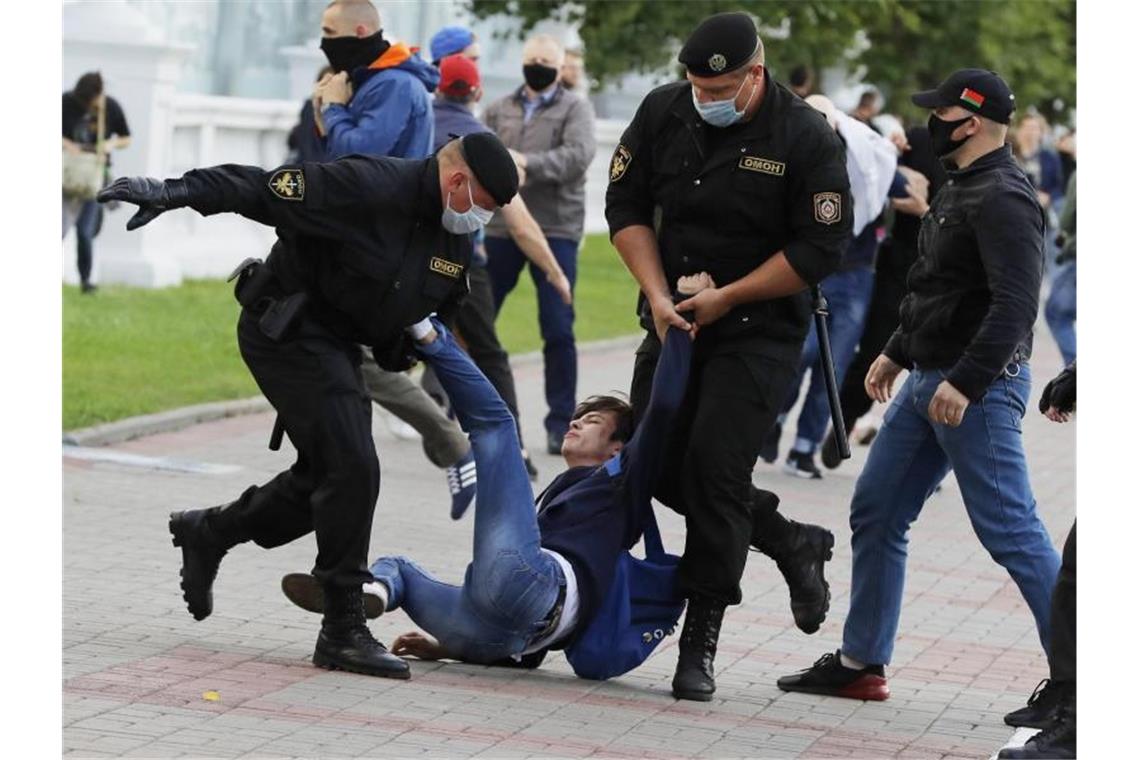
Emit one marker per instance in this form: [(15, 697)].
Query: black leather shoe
[(1041, 707), (554, 443), (1059, 740), (202, 552), (800, 558), (694, 678), (306, 592), (345, 643)]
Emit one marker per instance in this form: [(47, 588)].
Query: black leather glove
[(152, 196), (1061, 392)]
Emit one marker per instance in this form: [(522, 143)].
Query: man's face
[(471, 51), (954, 113), (457, 184), (335, 23), (1029, 131), (725, 86), (588, 441), (543, 52), (572, 71)]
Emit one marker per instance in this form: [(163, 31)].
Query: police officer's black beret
[(983, 92), (721, 43), (492, 165)]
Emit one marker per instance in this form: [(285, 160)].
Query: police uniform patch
[(827, 207), (762, 165), (445, 267), (288, 184), (620, 162)]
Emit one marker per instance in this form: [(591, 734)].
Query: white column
[(140, 70)]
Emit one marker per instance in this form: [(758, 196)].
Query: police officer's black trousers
[(313, 380), (1063, 616), (732, 399)]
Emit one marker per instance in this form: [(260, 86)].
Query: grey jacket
[(559, 145)]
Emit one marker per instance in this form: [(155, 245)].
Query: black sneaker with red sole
[(828, 676)]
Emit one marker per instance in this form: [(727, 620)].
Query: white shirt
[(569, 608), (871, 163)]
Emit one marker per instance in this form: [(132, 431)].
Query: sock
[(851, 662), (421, 329), (377, 588)]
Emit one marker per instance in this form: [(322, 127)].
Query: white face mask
[(468, 221)]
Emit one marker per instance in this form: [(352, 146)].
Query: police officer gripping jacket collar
[(365, 246)]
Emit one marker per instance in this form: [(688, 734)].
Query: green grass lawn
[(129, 351)]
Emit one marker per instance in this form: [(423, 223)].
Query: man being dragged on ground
[(536, 580)]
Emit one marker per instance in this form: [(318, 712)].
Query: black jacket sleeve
[(629, 198), (326, 200), (821, 216), (1010, 228)]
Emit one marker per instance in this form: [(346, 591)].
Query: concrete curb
[(176, 419)]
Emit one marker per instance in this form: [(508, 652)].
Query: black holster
[(259, 290)]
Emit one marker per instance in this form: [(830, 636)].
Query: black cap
[(977, 90), (492, 165), (720, 44)]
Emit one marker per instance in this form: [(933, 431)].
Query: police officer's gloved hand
[(1061, 392), (152, 196)]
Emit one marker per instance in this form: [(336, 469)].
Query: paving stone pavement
[(137, 666)]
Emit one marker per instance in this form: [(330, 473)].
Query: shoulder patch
[(620, 162), (288, 184), (762, 165), (827, 207)]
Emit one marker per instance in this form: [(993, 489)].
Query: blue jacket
[(453, 119), (390, 110)]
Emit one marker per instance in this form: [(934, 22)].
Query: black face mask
[(349, 53), (539, 77), (940, 132)]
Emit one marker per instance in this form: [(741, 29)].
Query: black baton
[(277, 434), (827, 365)]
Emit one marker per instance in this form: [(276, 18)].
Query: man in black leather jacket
[(965, 333), (365, 247)]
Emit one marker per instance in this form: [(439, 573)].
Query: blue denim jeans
[(848, 298), (908, 458), (510, 585), (505, 262), (1061, 310)]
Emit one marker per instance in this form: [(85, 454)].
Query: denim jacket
[(972, 295)]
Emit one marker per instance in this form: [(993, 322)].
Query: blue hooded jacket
[(390, 110)]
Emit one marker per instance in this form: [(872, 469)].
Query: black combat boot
[(1041, 707), (1059, 740), (800, 554), (202, 551), (345, 643), (694, 677)]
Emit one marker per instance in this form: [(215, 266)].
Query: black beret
[(720, 44), (492, 165)]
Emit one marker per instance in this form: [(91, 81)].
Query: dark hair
[(89, 87), (623, 424), (460, 99), (800, 76), (868, 98)]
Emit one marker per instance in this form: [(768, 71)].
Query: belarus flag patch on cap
[(973, 98)]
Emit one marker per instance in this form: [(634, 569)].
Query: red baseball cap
[(459, 75)]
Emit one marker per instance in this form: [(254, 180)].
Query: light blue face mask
[(723, 113), (468, 221)]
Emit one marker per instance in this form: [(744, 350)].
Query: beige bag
[(83, 173)]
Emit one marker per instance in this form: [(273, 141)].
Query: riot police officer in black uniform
[(729, 173), (366, 246)]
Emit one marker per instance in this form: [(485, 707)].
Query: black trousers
[(882, 320), (733, 397), (1063, 617), (313, 380)]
